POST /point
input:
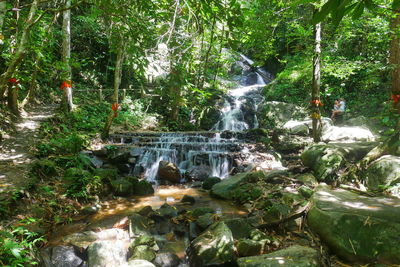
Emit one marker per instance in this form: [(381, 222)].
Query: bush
[(44, 168), (81, 183)]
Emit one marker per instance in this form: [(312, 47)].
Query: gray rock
[(83, 240), (62, 256), (383, 172), (168, 211), (213, 247), (96, 162), (167, 260), (357, 228), (278, 113), (140, 263), (294, 256), (107, 254), (296, 127), (199, 173), (169, 171), (247, 247), (138, 225), (335, 133)]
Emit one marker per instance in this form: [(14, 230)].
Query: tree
[(66, 58), (316, 85)]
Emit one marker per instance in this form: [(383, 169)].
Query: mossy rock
[(44, 168), (201, 211), (240, 227), (143, 252), (122, 187), (142, 188), (247, 247), (106, 174), (208, 183), (145, 240)]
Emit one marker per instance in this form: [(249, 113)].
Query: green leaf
[(329, 7), (396, 4), (358, 11)]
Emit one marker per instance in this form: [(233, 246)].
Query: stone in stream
[(383, 172), (208, 183), (168, 211), (247, 247), (169, 171), (226, 187), (138, 225), (201, 211), (107, 254), (143, 252), (199, 173), (140, 263), (66, 256), (212, 247), (294, 256), (188, 199), (84, 239), (167, 259), (357, 228)]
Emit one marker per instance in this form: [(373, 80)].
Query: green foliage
[(80, 183), (44, 168), (18, 245)]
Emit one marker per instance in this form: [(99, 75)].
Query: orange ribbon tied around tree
[(114, 107), (396, 99), (316, 102), (66, 84)]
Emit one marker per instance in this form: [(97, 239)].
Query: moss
[(44, 168)]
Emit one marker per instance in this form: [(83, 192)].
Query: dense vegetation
[(162, 65)]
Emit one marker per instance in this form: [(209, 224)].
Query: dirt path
[(16, 149)]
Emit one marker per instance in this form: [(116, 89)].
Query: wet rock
[(225, 188), (296, 127), (199, 173), (169, 171), (106, 175), (201, 211), (91, 210), (122, 187), (107, 254), (247, 247), (383, 172), (124, 168), (335, 133), (138, 225), (257, 235), (167, 260), (168, 211), (205, 221), (66, 256), (83, 240), (357, 228), (142, 188), (100, 153), (240, 227), (208, 183), (213, 247), (325, 160), (196, 184), (145, 211), (143, 252), (140, 263), (188, 199), (120, 155), (294, 256), (308, 179)]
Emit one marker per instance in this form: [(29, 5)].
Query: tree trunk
[(30, 97), (117, 81), (67, 104), (394, 61), (21, 50), (3, 9), (12, 99), (316, 83)]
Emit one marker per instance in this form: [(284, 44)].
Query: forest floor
[(16, 150)]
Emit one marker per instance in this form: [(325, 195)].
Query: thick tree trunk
[(16, 59), (67, 104), (117, 82), (315, 96), (394, 61), (3, 9), (12, 99)]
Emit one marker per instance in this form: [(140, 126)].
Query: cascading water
[(206, 152)]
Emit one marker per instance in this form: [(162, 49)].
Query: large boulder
[(296, 127), (66, 256), (226, 187), (84, 239), (276, 114), (383, 172), (351, 134), (199, 173), (169, 171), (325, 160), (107, 254), (213, 247), (357, 228), (294, 256)]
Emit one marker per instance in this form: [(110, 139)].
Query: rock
[(357, 228), (199, 173), (145, 240), (357, 121), (276, 114), (225, 188), (356, 151), (205, 220), (305, 191), (168, 211), (140, 263), (383, 172), (106, 175), (122, 187), (83, 240), (335, 133), (96, 162), (120, 155), (107, 254), (169, 171), (324, 160), (143, 252), (257, 235), (138, 225), (296, 127), (65, 256), (145, 211), (142, 188), (308, 179), (167, 259), (188, 199), (213, 247), (294, 256), (91, 210), (208, 183), (201, 211), (239, 227), (124, 167), (246, 247)]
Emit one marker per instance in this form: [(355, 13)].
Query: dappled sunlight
[(347, 134)]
